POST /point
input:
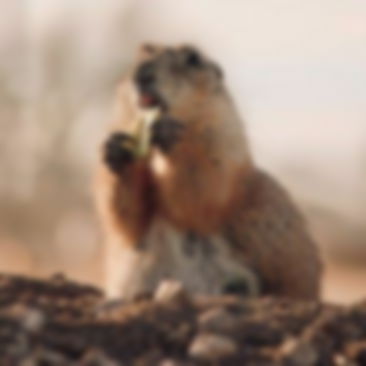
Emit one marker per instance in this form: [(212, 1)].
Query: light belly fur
[(202, 264)]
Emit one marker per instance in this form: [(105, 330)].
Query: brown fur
[(209, 185), (126, 205)]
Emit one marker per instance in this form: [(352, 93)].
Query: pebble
[(171, 362), (218, 320), (211, 347), (303, 355), (33, 320), (170, 291)]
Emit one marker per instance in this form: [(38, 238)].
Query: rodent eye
[(192, 58)]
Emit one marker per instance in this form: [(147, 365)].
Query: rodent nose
[(146, 74)]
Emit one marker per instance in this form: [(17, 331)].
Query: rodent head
[(170, 77)]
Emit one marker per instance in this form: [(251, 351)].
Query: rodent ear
[(192, 57), (147, 50)]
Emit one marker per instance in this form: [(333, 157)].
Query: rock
[(340, 360), (303, 355), (95, 357), (217, 320), (211, 347), (59, 322), (170, 291), (171, 362), (30, 319), (33, 320), (361, 357)]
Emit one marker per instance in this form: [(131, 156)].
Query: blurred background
[(296, 70)]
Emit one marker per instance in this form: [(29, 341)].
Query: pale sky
[(295, 68)]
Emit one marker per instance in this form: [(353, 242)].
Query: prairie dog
[(195, 208)]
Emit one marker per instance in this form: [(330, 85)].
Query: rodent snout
[(145, 75), (145, 80)]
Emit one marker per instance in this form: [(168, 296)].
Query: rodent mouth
[(145, 81), (150, 98)]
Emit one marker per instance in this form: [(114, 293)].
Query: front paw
[(166, 132), (119, 151)]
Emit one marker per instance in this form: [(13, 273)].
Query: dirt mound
[(58, 322)]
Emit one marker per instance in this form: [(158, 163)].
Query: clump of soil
[(59, 322)]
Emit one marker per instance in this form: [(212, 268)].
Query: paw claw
[(166, 133), (119, 151)]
